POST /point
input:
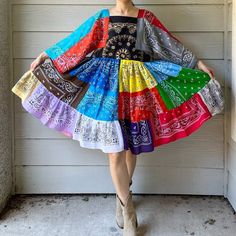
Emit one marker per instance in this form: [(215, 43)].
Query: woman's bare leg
[(131, 163), (119, 174)]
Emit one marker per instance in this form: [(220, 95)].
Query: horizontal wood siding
[(48, 162)]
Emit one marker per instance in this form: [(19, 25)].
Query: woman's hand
[(203, 67), (42, 56)]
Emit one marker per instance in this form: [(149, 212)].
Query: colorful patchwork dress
[(119, 82)]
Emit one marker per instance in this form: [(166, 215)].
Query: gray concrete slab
[(93, 215)]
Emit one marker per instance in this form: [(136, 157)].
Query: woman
[(125, 38)]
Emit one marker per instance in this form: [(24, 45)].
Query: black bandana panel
[(121, 42)]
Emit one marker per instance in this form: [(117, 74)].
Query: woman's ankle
[(124, 199)]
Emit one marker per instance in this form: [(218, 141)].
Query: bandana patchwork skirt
[(117, 104)]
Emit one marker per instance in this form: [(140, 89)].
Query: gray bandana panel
[(160, 45)]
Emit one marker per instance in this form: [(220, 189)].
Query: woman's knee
[(117, 157)]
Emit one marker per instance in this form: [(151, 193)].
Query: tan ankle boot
[(119, 214), (129, 216)]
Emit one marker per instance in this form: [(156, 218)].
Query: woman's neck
[(124, 9)]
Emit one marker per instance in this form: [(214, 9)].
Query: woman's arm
[(157, 40), (73, 48)]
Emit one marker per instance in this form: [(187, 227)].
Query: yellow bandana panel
[(25, 85), (134, 76)]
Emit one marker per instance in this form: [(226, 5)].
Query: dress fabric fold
[(133, 92)]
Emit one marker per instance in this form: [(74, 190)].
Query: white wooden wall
[(45, 161), (231, 144)]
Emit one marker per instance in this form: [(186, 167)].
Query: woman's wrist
[(43, 55)]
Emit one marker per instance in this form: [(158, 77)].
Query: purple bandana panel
[(137, 136), (51, 111)]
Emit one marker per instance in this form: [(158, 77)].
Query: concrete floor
[(93, 215)]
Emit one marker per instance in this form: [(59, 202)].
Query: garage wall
[(231, 144), (5, 129), (48, 162)]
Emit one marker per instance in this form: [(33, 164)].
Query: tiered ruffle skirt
[(114, 105)]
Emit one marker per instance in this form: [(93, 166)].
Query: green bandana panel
[(176, 90)]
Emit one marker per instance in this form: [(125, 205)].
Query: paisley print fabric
[(72, 49), (61, 116), (155, 38), (122, 33), (67, 88), (137, 90)]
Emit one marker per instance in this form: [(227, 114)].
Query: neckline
[(135, 17)]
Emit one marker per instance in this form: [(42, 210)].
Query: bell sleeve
[(156, 40), (69, 51)]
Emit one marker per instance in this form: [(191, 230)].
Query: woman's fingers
[(210, 72), (32, 66), (206, 69), (35, 63)]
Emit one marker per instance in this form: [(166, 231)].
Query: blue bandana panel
[(101, 100)]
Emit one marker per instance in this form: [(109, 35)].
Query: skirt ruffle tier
[(112, 104)]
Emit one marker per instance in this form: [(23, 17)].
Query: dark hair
[(132, 3)]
